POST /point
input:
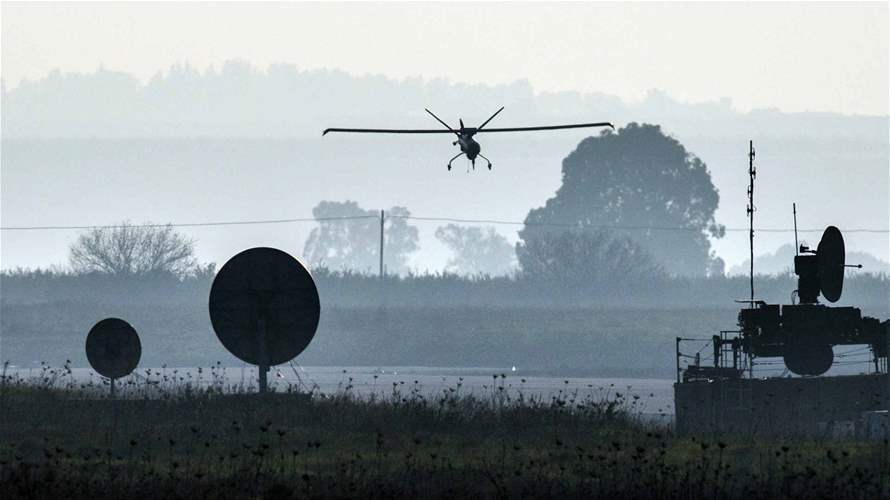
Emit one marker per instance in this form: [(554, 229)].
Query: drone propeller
[(443, 123), (489, 119)]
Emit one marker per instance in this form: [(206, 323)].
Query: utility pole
[(381, 244), (752, 173)]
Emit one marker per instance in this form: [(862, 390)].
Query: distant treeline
[(242, 100), (348, 289)]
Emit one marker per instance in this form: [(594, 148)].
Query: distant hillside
[(239, 100), (782, 262)]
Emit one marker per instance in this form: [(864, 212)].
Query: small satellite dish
[(831, 259), (113, 348), (264, 307)]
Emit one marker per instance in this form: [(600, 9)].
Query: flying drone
[(468, 145)]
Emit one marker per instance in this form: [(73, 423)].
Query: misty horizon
[(212, 70), (762, 55), (241, 121)]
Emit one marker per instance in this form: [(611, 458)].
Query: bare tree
[(130, 249)]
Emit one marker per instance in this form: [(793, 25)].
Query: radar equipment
[(729, 396), (803, 334), (264, 308)]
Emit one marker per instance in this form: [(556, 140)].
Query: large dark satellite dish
[(831, 255), (113, 348), (264, 307)]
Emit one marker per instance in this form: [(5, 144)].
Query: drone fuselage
[(468, 145)]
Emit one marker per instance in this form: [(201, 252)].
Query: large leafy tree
[(586, 258), (348, 238), (646, 182), (476, 250)]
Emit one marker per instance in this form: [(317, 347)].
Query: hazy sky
[(794, 57), (813, 56)]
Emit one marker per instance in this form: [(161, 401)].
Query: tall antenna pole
[(794, 209), (752, 173), (381, 245)]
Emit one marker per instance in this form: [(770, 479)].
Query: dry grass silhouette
[(169, 436)]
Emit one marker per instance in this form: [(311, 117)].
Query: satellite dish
[(113, 348), (809, 359), (831, 259), (264, 307)]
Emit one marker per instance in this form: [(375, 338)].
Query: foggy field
[(590, 342), (60, 440), (433, 321)]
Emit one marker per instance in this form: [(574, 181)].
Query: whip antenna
[(752, 173)]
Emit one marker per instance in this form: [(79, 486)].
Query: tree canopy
[(579, 259), (643, 181), (348, 238)]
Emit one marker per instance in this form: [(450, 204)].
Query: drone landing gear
[(455, 157), (487, 161)]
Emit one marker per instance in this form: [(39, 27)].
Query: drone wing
[(448, 130), (547, 127), (387, 131)]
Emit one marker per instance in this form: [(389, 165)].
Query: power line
[(606, 226), (421, 218), (187, 224)]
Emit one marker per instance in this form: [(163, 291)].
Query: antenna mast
[(752, 173), (796, 247)]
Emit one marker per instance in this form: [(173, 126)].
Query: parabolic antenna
[(264, 307), (809, 359), (113, 348), (831, 259)]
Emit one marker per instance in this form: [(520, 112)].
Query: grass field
[(62, 440)]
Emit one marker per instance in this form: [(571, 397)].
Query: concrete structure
[(814, 406)]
